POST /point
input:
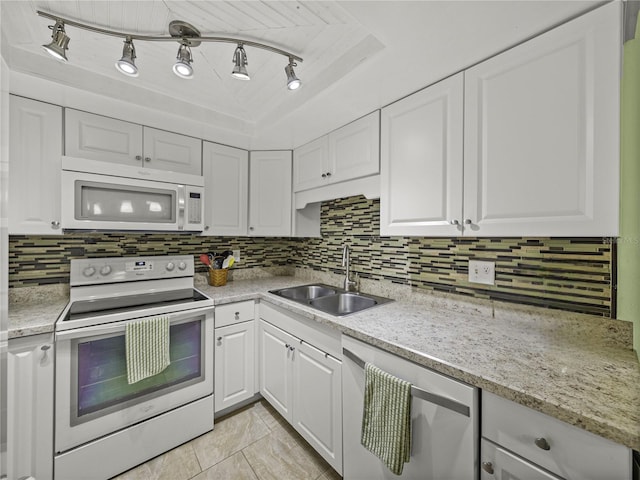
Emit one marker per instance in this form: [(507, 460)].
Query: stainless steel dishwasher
[(444, 419)]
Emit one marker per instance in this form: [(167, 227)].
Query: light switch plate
[(482, 272)]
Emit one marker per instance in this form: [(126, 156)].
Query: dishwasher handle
[(419, 392)]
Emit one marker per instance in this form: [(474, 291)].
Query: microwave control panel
[(194, 210)]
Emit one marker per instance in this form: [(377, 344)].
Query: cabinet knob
[(55, 224), (487, 467), (328, 174), (219, 339), (147, 159), (286, 345), (454, 222), (206, 227), (467, 221), (542, 443), (44, 348), (237, 314), (138, 157), (324, 175), (250, 228)]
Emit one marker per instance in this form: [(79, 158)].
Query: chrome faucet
[(349, 285)]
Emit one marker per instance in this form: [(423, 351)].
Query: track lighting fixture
[(59, 42), (127, 63), (240, 59), (188, 37), (182, 67), (293, 82)]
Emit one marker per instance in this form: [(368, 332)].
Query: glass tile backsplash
[(575, 274)]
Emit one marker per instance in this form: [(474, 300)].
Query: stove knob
[(106, 270), (182, 265), (170, 266), (89, 271)]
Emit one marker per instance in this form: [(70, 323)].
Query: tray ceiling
[(358, 56)]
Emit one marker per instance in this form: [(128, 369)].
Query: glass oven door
[(93, 397)]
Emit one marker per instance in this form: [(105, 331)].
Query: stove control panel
[(95, 271)]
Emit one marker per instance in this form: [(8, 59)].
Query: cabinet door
[(310, 164), (234, 364), (421, 162), (172, 152), (35, 149), (501, 465), (226, 183), (102, 138), (30, 408), (354, 150), (276, 367), (317, 401), (542, 133), (270, 194)]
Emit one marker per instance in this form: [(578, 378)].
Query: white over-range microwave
[(103, 196)]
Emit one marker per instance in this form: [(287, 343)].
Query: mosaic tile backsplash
[(575, 274)]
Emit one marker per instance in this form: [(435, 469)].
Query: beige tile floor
[(254, 443)]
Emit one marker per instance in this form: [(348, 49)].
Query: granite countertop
[(574, 367)]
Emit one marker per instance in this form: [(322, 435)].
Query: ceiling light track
[(182, 32)]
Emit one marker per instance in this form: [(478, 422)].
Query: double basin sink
[(332, 300)]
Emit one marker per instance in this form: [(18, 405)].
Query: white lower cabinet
[(30, 407), (499, 463), (235, 359), (303, 381), (521, 443)]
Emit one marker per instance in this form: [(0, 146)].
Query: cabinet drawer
[(234, 313), (572, 453), (499, 463)]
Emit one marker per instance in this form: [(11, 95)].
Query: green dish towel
[(147, 348), (386, 417)]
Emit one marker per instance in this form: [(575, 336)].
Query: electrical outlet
[(236, 256), (482, 272)]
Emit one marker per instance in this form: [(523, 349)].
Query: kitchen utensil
[(228, 262), (204, 258)]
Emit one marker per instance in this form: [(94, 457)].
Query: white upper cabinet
[(96, 137), (310, 164), (541, 141), (173, 152), (102, 138), (350, 152), (270, 193), (226, 183), (35, 150), (354, 150), (421, 162), (542, 133)]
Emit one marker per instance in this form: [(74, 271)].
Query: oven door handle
[(116, 327)]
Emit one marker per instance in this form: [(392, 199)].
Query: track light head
[(293, 82), (182, 67), (59, 42), (240, 60), (126, 64)]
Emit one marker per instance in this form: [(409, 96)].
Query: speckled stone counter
[(576, 368), (34, 310)]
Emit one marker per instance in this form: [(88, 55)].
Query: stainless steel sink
[(331, 300), (305, 292), (343, 303)]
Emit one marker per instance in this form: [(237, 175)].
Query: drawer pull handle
[(542, 443), (487, 467)]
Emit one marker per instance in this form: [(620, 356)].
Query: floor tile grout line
[(249, 463)]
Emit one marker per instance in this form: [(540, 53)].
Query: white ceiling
[(358, 55)]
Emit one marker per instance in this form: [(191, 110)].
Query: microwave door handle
[(181, 206)]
